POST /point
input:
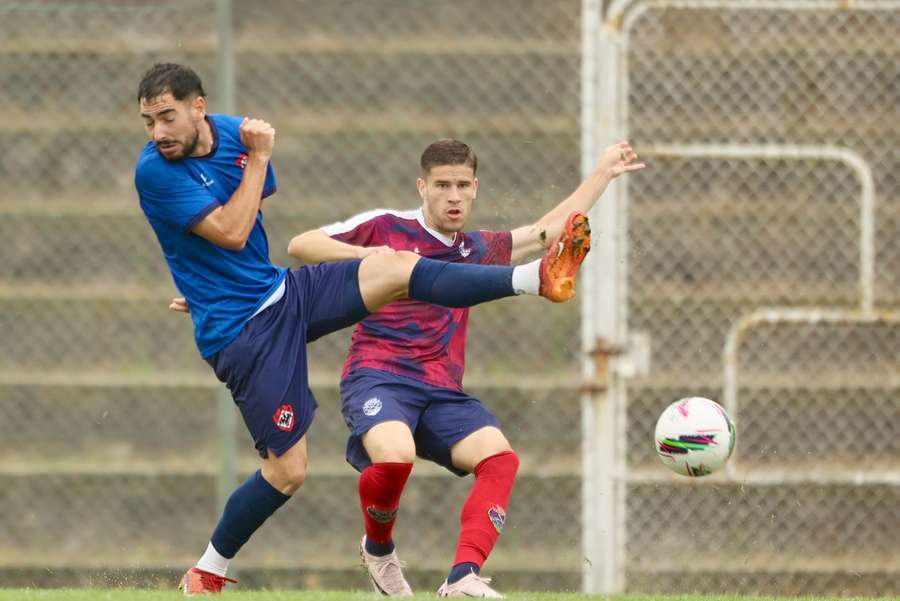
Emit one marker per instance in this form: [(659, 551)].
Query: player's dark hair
[(181, 81), (448, 151)]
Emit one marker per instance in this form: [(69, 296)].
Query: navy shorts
[(438, 417), (265, 366)]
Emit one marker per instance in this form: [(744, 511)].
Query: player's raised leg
[(387, 277), (487, 454)]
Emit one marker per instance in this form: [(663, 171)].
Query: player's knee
[(286, 477), (390, 442), (401, 454), (513, 462), (293, 478), (504, 462), (388, 274), (398, 451), (399, 270)]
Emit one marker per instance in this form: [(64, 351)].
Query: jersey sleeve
[(172, 196), (269, 186), (361, 230), (498, 247)]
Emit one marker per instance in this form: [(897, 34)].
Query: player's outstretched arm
[(616, 159), (230, 225), (316, 246)]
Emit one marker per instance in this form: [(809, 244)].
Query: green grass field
[(140, 595)]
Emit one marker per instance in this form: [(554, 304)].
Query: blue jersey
[(223, 288)]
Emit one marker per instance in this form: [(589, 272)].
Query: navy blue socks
[(457, 284), (461, 570), (247, 508), (379, 549)]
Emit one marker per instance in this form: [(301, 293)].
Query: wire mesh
[(713, 239), (109, 450)]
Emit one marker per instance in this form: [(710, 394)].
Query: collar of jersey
[(446, 240)]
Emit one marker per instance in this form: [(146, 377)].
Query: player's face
[(173, 125), (448, 192)]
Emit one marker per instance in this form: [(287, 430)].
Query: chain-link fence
[(813, 508), (109, 447)]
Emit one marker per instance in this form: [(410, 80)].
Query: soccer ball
[(694, 436)]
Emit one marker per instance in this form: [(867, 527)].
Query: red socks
[(484, 512), (380, 487)]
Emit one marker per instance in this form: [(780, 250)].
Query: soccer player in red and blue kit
[(201, 180), (401, 388)]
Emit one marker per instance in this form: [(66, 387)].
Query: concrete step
[(747, 525), (113, 248), (137, 28), (708, 248), (355, 169), (140, 335), (756, 527), (281, 79), (163, 427), (91, 516), (688, 334)]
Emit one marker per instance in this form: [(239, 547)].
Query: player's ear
[(474, 188), (199, 105), (420, 186)]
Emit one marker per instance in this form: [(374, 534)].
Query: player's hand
[(618, 159), (365, 251), (179, 305), (258, 136)]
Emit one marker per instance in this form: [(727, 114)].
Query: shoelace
[(395, 577)]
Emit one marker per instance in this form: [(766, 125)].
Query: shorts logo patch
[(382, 516), (372, 406), (284, 418), (497, 517)]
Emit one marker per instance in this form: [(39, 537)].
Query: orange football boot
[(200, 582), (563, 259)]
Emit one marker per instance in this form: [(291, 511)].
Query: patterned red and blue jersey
[(412, 338)]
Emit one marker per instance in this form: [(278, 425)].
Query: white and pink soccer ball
[(694, 436)]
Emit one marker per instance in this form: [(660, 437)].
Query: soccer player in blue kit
[(401, 389), (201, 180)]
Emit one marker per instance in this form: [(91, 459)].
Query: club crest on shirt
[(463, 251), (372, 406), (284, 418), (241, 160), (497, 517)]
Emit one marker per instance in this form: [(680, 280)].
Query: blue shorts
[(438, 417), (265, 366)]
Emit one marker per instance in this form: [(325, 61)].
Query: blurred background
[(771, 132)]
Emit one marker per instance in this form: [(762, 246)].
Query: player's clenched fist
[(258, 136)]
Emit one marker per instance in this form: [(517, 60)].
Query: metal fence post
[(226, 102)]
